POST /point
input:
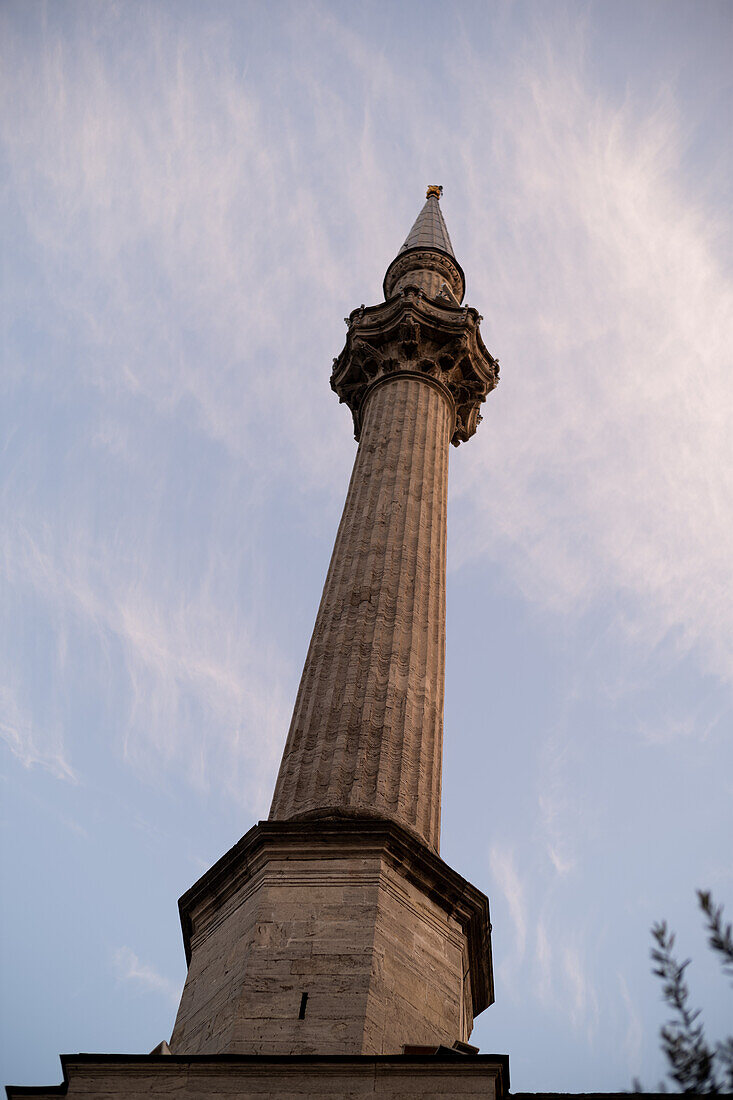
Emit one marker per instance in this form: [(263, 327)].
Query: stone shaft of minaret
[(335, 927), (367, 729)]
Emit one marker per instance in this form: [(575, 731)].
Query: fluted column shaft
[(367, 728)]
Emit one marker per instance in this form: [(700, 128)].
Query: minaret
[(367, 730), (335, 927)]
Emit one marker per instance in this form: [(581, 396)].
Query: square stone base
[(441, 1076), (338, 937)]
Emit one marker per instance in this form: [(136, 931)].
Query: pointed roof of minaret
[(430, 230), (428, 235)]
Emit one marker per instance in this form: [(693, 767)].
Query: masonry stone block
[(288, 955)]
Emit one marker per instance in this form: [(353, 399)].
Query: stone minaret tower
[(335, 927), (331, 952)]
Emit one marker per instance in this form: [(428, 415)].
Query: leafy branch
[(694, 1065), (720, 935)]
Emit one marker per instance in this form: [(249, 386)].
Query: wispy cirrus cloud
[(201, 696), (185, 263), (190, 257), (607, 471), (128, 968), (188, 260), (583, 1001), (504, 871), (30, 745), (557, 802), (547, 957), (634, 1029)]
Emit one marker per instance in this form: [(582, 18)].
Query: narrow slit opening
[(303, 1003)]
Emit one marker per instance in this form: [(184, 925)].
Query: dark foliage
[(695, 1065)]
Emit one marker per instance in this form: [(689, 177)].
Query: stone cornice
[(412, 335), (325, 835)]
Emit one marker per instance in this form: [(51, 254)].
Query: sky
[(194, 196)]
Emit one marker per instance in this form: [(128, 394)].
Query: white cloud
[(668, 730), (192, 259), (543, 987), (179, 650), (633, 1038), (185, 272), (504, 871), (30, 745), (604, 467), (549, 957), (129, 968), (560, 815), (161, 207), (580, 995)]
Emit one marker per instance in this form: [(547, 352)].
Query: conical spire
[(429, 230), (427, 260)]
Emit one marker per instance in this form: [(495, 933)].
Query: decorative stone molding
[(421, 260), (416, 335)]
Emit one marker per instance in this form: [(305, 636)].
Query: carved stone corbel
[(409, 337)]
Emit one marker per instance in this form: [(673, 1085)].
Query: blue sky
[(194, 196)]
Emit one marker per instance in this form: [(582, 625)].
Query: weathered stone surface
[(416, 335), (409, 1077), (331, 937), (327, 942), (430, 270), (367, 727)]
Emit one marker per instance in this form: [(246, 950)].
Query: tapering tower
[(335, 927), (367, 730)]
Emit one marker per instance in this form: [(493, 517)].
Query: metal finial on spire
[(434, 189)]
